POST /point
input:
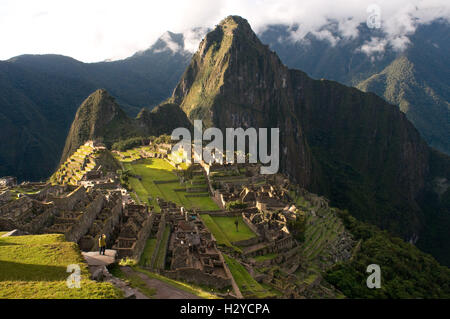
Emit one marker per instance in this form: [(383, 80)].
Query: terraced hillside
[(78, 164), (326, 243)]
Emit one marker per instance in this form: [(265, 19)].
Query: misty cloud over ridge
[(108, 29)]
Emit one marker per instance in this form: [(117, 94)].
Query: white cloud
[(101, 29), (170, 44), (376, 46)]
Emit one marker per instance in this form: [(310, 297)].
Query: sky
[(92, 31)]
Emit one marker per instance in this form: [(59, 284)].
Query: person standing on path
[(102, 244)]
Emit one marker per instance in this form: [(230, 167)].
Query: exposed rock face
[(236, 81), (351, 146)]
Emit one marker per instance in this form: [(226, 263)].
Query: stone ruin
[(193, 253), (134, 230), (8, 181)]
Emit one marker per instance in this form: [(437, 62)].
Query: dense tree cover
[(406, 272), (237, 204), (297, 227)]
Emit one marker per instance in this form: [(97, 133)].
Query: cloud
[(97, 30), (376, 46)]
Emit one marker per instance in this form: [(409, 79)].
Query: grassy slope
[(248, 286), (162, 248), (151, 170), (178, 284), (35, 267), (148, 252), (228, 227), (406, 272)]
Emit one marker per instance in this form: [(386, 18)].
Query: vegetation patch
[(35, 267), (151, 178), (228, 227), (147, 254), (406, 272), (134, 281), (178, 284), (248, 286)]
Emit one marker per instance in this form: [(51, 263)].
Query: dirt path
[(163, 290)]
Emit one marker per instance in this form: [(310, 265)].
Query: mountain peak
[(235, 21), (95, 113)]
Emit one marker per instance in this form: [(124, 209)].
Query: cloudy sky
[(108, 29)]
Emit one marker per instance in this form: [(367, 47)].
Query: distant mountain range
[(416, 79), (353, 147), (39, 95)]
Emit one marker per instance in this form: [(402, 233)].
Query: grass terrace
[(156, 178), (160, 257), (146, 256), (35, 267), (248, 286), (198, 291), (224, 230), (228, 227)]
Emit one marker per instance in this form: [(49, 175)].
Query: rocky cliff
[(352, 146)]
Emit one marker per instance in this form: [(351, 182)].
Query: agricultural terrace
[(248, 286), (155, 177), (35, 267), (224, 229)]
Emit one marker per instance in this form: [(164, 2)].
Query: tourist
[(102, 244)]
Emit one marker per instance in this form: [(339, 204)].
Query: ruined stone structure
[(136, 226), (193, 252), (8, 181)]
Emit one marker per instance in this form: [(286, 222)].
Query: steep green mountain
[(351, 146), (416, 79), (39, 95), (406, 272), (100, 118), (400, 84), (34, 111)]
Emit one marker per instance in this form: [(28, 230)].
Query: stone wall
[(144, 233), (68, 202), (196, 276), (250, 224), (41, 221), (159, 234), (110, 223), (16, 207), (5, 196), (81, 227), (248, 242)]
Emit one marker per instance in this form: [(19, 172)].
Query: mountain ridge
[(353, 147)]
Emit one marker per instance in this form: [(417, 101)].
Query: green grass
[(134, 280), (160, 257), (248, 286), (35, 267), (220, 236), (148, 252), (266, 257), (151, 170), (228, 227), (179, 285)]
